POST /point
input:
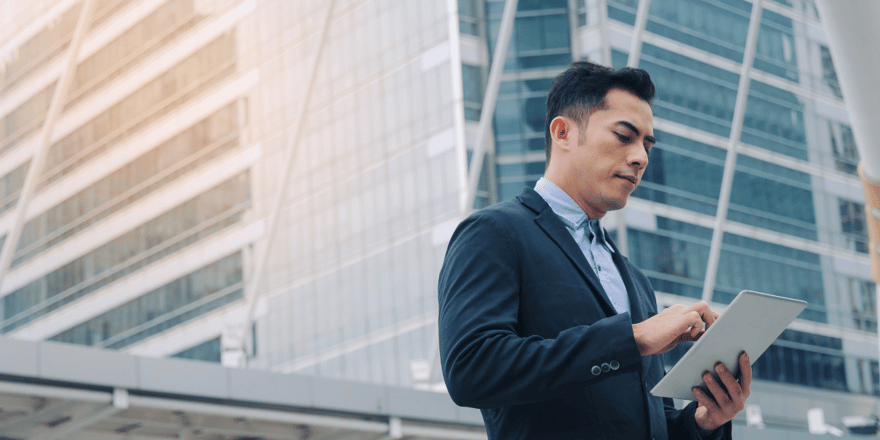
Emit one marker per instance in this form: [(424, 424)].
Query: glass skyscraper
[(792, 220), (286, 174), (162, 160)]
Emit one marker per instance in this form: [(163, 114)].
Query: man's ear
[(561, 131)]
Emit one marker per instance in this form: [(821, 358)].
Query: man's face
[(611, 155)]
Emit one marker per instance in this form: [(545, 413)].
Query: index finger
[(706, 314)]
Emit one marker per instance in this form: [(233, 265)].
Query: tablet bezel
[(751, 323)]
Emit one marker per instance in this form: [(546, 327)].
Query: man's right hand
[(675, 324)]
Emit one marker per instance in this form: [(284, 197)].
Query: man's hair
[(581, 90)]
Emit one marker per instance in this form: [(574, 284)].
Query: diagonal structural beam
[(38, 161), (635, 54), (487, 112), (739, 110), (635, 46), (253, 288), (489, 100)]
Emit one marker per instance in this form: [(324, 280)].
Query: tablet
[(750, 323)]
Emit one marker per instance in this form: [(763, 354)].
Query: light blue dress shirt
[(590, 237)]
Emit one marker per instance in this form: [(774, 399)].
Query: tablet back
[(750, 323)]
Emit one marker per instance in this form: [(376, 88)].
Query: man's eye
[(623, 138)]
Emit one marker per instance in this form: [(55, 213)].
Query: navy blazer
[(528, 335)]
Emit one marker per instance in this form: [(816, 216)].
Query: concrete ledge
[(82, 367)]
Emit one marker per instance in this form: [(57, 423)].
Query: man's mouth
[(633, 179)]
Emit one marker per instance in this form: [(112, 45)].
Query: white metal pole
[(635, 46), (38, 161), (635, 54), (730, 163), (255, 284), (489, 99), (603, 30)]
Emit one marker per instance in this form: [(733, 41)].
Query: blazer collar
[(550, 223)]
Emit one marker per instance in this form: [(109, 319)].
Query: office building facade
[(790, 219), (285, 175), (163, 132)]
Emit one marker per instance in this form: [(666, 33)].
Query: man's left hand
[(717, 409)]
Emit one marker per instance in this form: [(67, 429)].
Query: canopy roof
[(58, 391)]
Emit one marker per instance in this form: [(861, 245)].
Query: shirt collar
[(565, 207)]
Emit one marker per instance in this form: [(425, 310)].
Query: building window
[(26, 119), (10, 187), (177, 302), (146, 37), (181, 83), (852, 224), (156, 239), (47, 43), (773, 197), (104, 9), (473, 91), (688, 91), (843, 148), (747, 263), (828, 72), (193, 147), (541, 34), (804, 359), (673, 256), (467, 17), (774, 120), (863, 298), (875, 377), (51, 41), (718, 28), (775, 52), (208, 351)]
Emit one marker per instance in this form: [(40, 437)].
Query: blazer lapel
[(553, 227), (638, 310)]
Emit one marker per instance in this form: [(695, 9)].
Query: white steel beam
[(252, 289), (635, 48), (742, 95), (635, 54), (487, 113), (35, 169)]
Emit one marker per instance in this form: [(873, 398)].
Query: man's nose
[(638, 157)]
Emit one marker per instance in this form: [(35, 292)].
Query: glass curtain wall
[(795, 220), (130, 119)]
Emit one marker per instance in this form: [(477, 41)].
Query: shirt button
[(596, 370), (615, 365), (606, 368)]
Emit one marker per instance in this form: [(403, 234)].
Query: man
[(544, 326)]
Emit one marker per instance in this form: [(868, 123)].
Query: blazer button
[(605, 367), (596, 370), (615, 365)]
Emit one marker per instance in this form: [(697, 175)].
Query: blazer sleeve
[(485, 362), (681, 424)]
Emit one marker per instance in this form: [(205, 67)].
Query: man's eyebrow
[(635, 130)]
